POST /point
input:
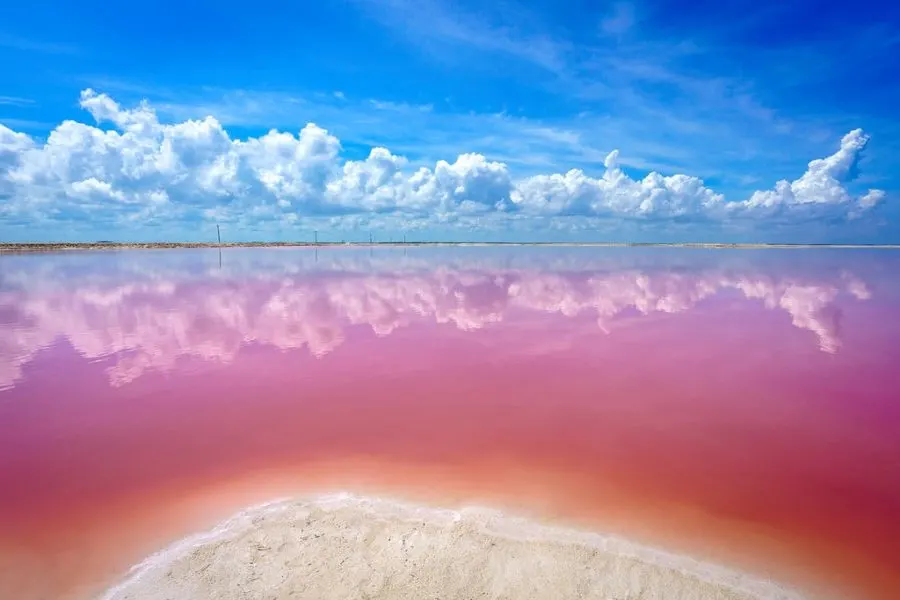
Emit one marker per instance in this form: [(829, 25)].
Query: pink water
[(738, 406)]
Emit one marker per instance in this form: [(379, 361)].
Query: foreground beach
[(343, 546)]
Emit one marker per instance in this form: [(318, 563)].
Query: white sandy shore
[(344, 546)]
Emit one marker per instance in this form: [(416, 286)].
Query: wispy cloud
[(16, 42), (634, 88), (432, 24), (15, 101), (27, 124), (641, 89), (619, 19), (400, 106)]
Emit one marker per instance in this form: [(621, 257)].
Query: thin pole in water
[(316, 237), (218, 235)]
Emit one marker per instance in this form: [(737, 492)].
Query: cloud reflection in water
[(151, 320)]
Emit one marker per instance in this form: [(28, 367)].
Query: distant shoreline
[(62, 246)]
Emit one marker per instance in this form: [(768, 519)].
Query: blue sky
[(733, 93)]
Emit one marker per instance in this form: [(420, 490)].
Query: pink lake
[(738, 406)]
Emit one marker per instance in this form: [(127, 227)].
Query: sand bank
[(345, 546)]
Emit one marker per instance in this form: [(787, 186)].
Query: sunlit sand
[(343, 546)]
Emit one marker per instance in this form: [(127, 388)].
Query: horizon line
[(20, 247)]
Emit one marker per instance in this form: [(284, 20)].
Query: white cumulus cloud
[(129, 165)]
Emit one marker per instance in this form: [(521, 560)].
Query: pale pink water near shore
[(739, 406)]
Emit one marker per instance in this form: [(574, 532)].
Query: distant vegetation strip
[(60, 246)]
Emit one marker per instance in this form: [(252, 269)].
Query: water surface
[(738, 406)]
